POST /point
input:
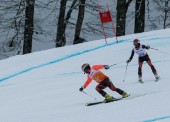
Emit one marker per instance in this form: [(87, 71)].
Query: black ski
[(101, 102), (127, 98)]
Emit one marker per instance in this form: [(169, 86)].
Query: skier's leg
[(140, 70), (110, 84), (100, 88), (113, 88), (153, 69)]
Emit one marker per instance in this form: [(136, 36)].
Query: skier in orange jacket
[(93, 73)]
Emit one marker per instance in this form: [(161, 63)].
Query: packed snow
[(44, 86)]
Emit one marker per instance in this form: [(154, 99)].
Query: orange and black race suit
[(95, 74), (102, 79)]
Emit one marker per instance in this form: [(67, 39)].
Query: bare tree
[(139, 16), (29, 26), (167, 14), (122, 7), (11, 26), (93, 25), (63, 21), (163, 6), (61, 40), (161, 19), (68, 16), (77, 38)]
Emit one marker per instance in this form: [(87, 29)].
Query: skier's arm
[(88, 81), (131, 57), (96, 67), (146, 47)]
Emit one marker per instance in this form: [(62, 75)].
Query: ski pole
[(125, 73), (116, 64), (89, 95), (112, 65), (160, 51)]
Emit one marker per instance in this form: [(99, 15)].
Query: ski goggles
[(135, 43)]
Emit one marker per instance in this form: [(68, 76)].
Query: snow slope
[(44, 86)]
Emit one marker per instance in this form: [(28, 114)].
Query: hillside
[(44, 86)]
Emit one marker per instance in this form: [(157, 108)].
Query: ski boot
[(156, 77), (108, 98), (125, 95), (140, 80)]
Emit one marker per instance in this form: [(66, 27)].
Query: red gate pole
[(102, 24), (104, 33), (113, 25)]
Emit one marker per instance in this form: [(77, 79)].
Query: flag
[(105, 17)]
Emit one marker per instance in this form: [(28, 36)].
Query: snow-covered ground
[(44, 86)]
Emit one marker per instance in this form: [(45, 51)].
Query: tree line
[(18, 16)]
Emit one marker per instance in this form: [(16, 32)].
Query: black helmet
[(85, 67)]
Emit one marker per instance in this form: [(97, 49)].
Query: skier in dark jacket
[(143, 56)]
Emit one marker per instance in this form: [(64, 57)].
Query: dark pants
[(148, 60), (107, 83)]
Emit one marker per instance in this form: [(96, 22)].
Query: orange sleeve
[(96, 67), (87, 82)]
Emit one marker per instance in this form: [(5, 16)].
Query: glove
[(148, 47), (106, 66), (81, 89), (128, 61)]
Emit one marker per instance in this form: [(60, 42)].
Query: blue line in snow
[(157, 119), (159, 38), (58, 60)]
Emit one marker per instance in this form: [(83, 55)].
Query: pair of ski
[(117, 99), (101, 102)]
